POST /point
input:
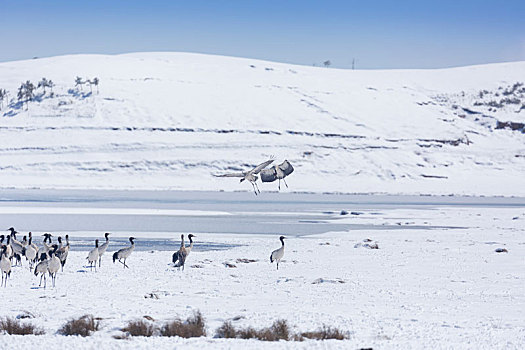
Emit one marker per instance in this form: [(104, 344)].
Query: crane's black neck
[(282, 240)]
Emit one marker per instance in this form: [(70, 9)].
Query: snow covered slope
[(171, 120)]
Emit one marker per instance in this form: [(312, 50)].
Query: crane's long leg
[(123, 263), (285, 183), (257, 187), (279, 184), (254, 190)]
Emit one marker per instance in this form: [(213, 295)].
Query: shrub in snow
[(14, 326), (194, 326), (82, 326), (139, 328), (324, 333), (227, 330), (279, 330)]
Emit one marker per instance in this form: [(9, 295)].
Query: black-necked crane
[(277, 172), (93, 256), (54, 264), (31, 251), (124, 253), (46, 247), (9, 250), (16, 246), (63, 251), (188, 249), (41, 268), (5, 265), (250, 175), (102, 249), (179, 257), (278, 254)]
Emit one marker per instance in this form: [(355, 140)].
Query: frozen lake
[(158, 217)]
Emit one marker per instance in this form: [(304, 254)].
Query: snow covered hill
[(171, 120)]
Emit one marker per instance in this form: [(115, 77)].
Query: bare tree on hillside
[(50, 85), (95, 82), (43, 84), (327, 63), (3, 96), (78, 81), (26, 93)]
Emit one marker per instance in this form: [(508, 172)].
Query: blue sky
[(378, 34)]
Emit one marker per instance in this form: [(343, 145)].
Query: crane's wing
[(175, 257), (179, 258), (286, 168), (268, 175), (261, 166), (230, 175)]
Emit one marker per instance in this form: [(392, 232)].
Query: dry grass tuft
[(14, 326), (82, 326), (227, 330), (139, 328), (324, 333), (194, 326), (279, 330)]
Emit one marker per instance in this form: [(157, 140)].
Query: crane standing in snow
[(124, 253), (179, 257), (54, 264), (93, 256), (278, 254), (102, 249), (63, 252), (250, 175), (5, 265)]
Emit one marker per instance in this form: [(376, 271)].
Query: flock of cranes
[(50, 258), (276, 172)]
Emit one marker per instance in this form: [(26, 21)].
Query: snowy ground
[(436, 289), (171, 120)]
